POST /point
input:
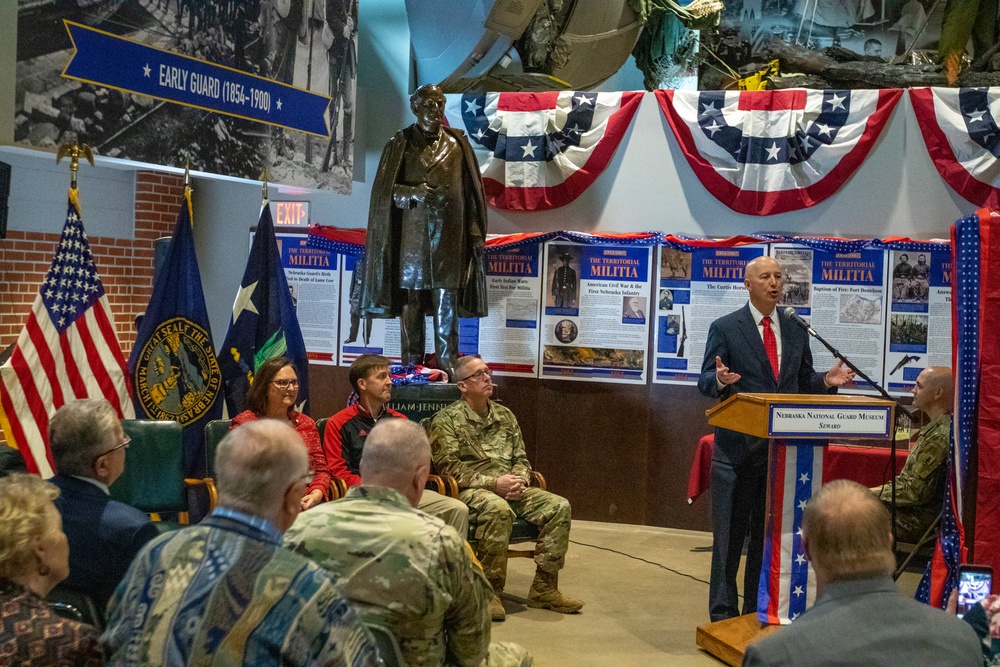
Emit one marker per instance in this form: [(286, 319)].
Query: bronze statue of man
[(426, 233)]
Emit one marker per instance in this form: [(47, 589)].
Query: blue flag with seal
[(173, 365), (264, 323)]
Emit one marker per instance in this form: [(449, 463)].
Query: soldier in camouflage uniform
[(478, 442), (920, 484), (402, 568)]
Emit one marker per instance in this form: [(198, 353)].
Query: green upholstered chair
[(153, 480), (216, 430)]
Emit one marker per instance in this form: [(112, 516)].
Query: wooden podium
[(787, 420)]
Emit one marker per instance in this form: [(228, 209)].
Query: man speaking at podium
[(754, 349)]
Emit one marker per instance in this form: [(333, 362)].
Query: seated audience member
[(479, 443), (34, 557), (11, 461), (920, 484), (344, 438), (272, 395), (859, 617), (402, 568), (88, 448), (984, 618), (225, 592)]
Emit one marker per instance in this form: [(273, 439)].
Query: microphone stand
[(795, 317)]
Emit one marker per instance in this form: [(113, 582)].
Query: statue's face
[(429, 110)]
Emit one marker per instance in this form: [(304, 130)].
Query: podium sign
[(791, 420), (798, 426)]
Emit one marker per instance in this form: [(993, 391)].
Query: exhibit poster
[(368, 335), (595, 322), (919, 324), (234, 87), (843, 296), (716, 290), (673, 362), (313, 277), (508, 336)]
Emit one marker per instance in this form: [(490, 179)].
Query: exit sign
[(290, 213)]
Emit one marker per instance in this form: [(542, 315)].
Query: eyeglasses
[(124, 445), (285, 385), (478, 375)]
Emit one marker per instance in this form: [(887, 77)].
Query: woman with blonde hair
[(34, 557), (273, 392)]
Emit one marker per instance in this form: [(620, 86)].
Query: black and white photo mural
[(236, 86)]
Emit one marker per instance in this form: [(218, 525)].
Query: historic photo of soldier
[(675, 264), (908, 329), (308, 44), (797, 266), (666, 299), (563, 277), (910, 280)]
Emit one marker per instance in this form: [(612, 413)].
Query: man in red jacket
[(346, 432)]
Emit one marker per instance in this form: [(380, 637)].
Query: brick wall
[(125, 265)]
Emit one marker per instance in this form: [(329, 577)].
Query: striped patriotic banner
[(67, 350), (787, 585), (539, 151), (969, 240)]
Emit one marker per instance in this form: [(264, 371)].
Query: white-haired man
[(225, 592)]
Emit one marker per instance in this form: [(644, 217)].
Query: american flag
[(941, 574), (67, 350), (787, 585)]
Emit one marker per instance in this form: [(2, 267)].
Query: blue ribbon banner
[(108, 60)]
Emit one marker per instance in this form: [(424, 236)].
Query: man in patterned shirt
[(225, 592), (920, 484), (402, 568), (478, 442)]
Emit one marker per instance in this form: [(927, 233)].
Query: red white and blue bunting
[(540, 151), (352, 241), (961, 130), (768, 152)]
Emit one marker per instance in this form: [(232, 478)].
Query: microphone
[(795, 317)]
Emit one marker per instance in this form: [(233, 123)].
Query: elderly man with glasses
[(479, 443), (88, 450)]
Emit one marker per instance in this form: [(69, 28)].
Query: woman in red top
[(272, 395)]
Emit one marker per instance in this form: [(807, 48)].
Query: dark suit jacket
[(104, 536), (867, 622), (735, 338)]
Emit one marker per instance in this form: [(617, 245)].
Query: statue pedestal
[(420, 401)]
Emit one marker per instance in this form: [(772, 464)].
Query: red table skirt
[(864, 465)]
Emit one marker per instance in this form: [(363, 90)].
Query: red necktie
[(770, 344)]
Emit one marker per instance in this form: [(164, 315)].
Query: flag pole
[(187, 188), (264, 177), (74, 152)]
